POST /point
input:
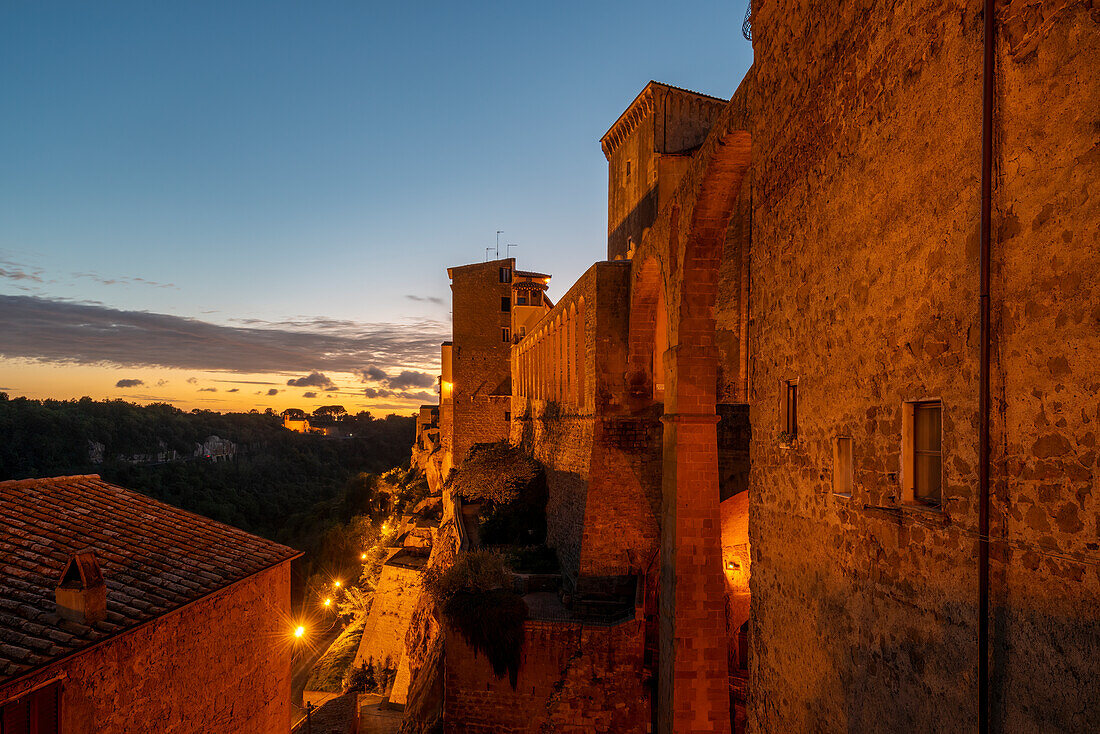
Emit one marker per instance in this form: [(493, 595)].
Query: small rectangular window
[(927, 459), (521, 300), (922, 452), (842, 465), (505, 275), (505, 334), (507, 415), (522, 331), (790, 412), (505, 303)]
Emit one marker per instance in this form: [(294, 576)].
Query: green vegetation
[(300, 489), (490, 617), (511, 487), (327, 674)]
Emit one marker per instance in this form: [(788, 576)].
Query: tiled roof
[(154, 558)]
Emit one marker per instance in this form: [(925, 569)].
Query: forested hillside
[(296, 488)]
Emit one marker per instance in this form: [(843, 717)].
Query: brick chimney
[(81, 594)]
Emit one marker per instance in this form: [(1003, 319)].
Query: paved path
[(376, 720)]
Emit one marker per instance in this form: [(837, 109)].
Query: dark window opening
[(505, 334), (34, 713), (743, 646), (521, 300), (505, 303), (505, 275), (507, 415), (791, 411)]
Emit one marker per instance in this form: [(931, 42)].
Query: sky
[(253, 204)]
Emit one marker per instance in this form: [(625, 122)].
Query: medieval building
[(122, 614), (828, 408)]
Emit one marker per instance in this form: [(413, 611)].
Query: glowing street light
[(336, 584), (299, 631), (362, 556)]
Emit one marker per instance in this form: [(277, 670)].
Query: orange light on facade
[(336, 584), (299, 631), (362, 556), (328, 602)]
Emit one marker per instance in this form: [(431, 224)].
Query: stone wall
[(573, 679), (395, 599), (866, 169), (219, 664)]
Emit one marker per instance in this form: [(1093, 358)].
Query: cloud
[(272, 391), (372, 373), (121, 280), (411, 378), (235, 389), (381, 392), (208, 389), (309, 395), (129, 383), (17, 273), (427, 299), (314, 379), (332, 389), (80, 333), (162, 383), (192, 380)]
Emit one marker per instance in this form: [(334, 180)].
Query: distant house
[(119, 613), (296, 420)]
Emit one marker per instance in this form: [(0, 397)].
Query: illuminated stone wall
[(867, 157), (220, 664)]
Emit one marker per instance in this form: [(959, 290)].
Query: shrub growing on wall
[(511, 486), (474, 602)]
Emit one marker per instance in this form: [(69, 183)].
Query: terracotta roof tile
[(154, 558)]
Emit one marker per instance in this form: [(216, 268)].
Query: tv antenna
[(499, 233), (487, 251), (508, 250)]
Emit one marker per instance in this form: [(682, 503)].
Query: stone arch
[(693, 679)]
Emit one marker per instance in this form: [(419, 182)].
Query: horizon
[(213, 209)]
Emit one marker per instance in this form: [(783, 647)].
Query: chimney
[(81, 594)]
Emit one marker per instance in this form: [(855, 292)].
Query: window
[(34, 713), (790, 409), (507, 415), (505, 334), (505, 275), (506, 303), (842, 465), (522, 331), (628, 166), (922, 457), (521, 300)]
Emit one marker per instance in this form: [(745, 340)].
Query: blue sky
[(264, 163)]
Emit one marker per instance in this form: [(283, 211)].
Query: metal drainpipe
[(983, 388)]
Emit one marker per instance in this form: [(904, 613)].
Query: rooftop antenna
[(499, 233), (487, 251)]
